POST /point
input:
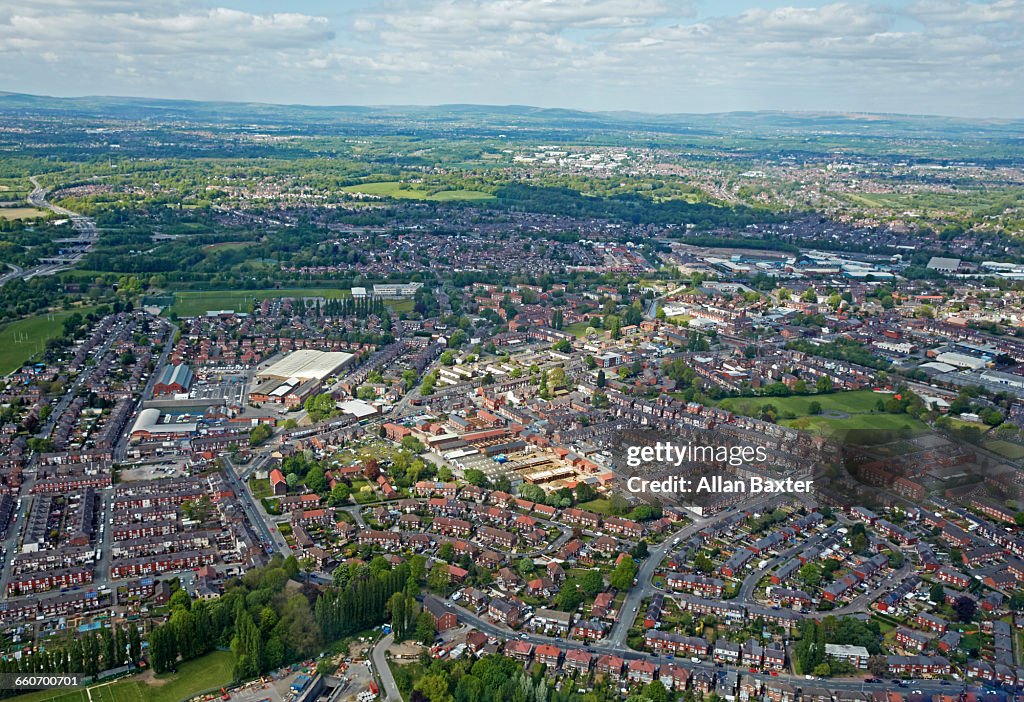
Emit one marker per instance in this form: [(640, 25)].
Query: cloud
[(945, 56)]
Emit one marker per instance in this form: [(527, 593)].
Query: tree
[(601, 379), (814, 407), (878, 666), (965, 608), (425, 630), (937, 593), (259, 434), (339, 494), (622, 577), (315, 480), (824, 384), (439, 579)]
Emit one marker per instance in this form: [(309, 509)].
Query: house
[(550, 621), (506, 611), (610, 666), (443, 618), (640, 670), (753, 653), (278, 483), (589, 630), (548, 655), (577, 661), (726, 652), (909, 639)]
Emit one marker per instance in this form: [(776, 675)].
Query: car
[(522, 636), (753, 670), (944, 682), (774, 673)]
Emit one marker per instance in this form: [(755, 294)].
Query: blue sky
[(952, 57)]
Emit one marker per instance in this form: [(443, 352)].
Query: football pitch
[(207, 673)]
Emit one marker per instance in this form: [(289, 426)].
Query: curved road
[(607, 648)]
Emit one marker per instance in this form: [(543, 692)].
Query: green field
[(601, 505), (850, 411), (1014, 452), (206, 673), (21, 339), (21, 213), (853, 402), (839, 428), (396, 190), (189, 303), (579, 329)]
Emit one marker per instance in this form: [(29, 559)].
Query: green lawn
[(579, 329), (601, 505), (210, 671), (260, 488), (20, 340), (396, 190)]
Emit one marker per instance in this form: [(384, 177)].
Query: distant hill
[(510, 118)]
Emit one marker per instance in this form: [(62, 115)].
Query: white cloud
[(947, 56)]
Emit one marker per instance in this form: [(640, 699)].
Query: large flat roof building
[(306, 364)]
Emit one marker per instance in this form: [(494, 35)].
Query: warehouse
[(306, 364)]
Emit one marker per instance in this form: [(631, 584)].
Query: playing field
[(1014, 452), (861, 424), (206, 673), (191, 303), (853, 402), (21, 339), (394, 189)]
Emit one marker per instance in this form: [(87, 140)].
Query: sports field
[(21, 339), (394, 189), (190, 303), (853, 402), (209, 672)]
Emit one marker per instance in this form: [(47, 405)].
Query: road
[(388, 688), (122, 444), (259, 519), (644, 578), (607, 648)]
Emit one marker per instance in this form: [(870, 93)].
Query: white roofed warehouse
[(307, 364)]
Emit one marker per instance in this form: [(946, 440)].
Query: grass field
[(21, 213), (840, 428), (602, 505), (1014, 452), (856, 401), (21, 339), (394, 189), (579, 329), (856, 412), (210, 671), (189, 303)]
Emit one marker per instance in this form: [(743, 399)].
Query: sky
[(947, 57)]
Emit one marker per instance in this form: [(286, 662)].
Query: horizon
[(510, 105), (955, 57)]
